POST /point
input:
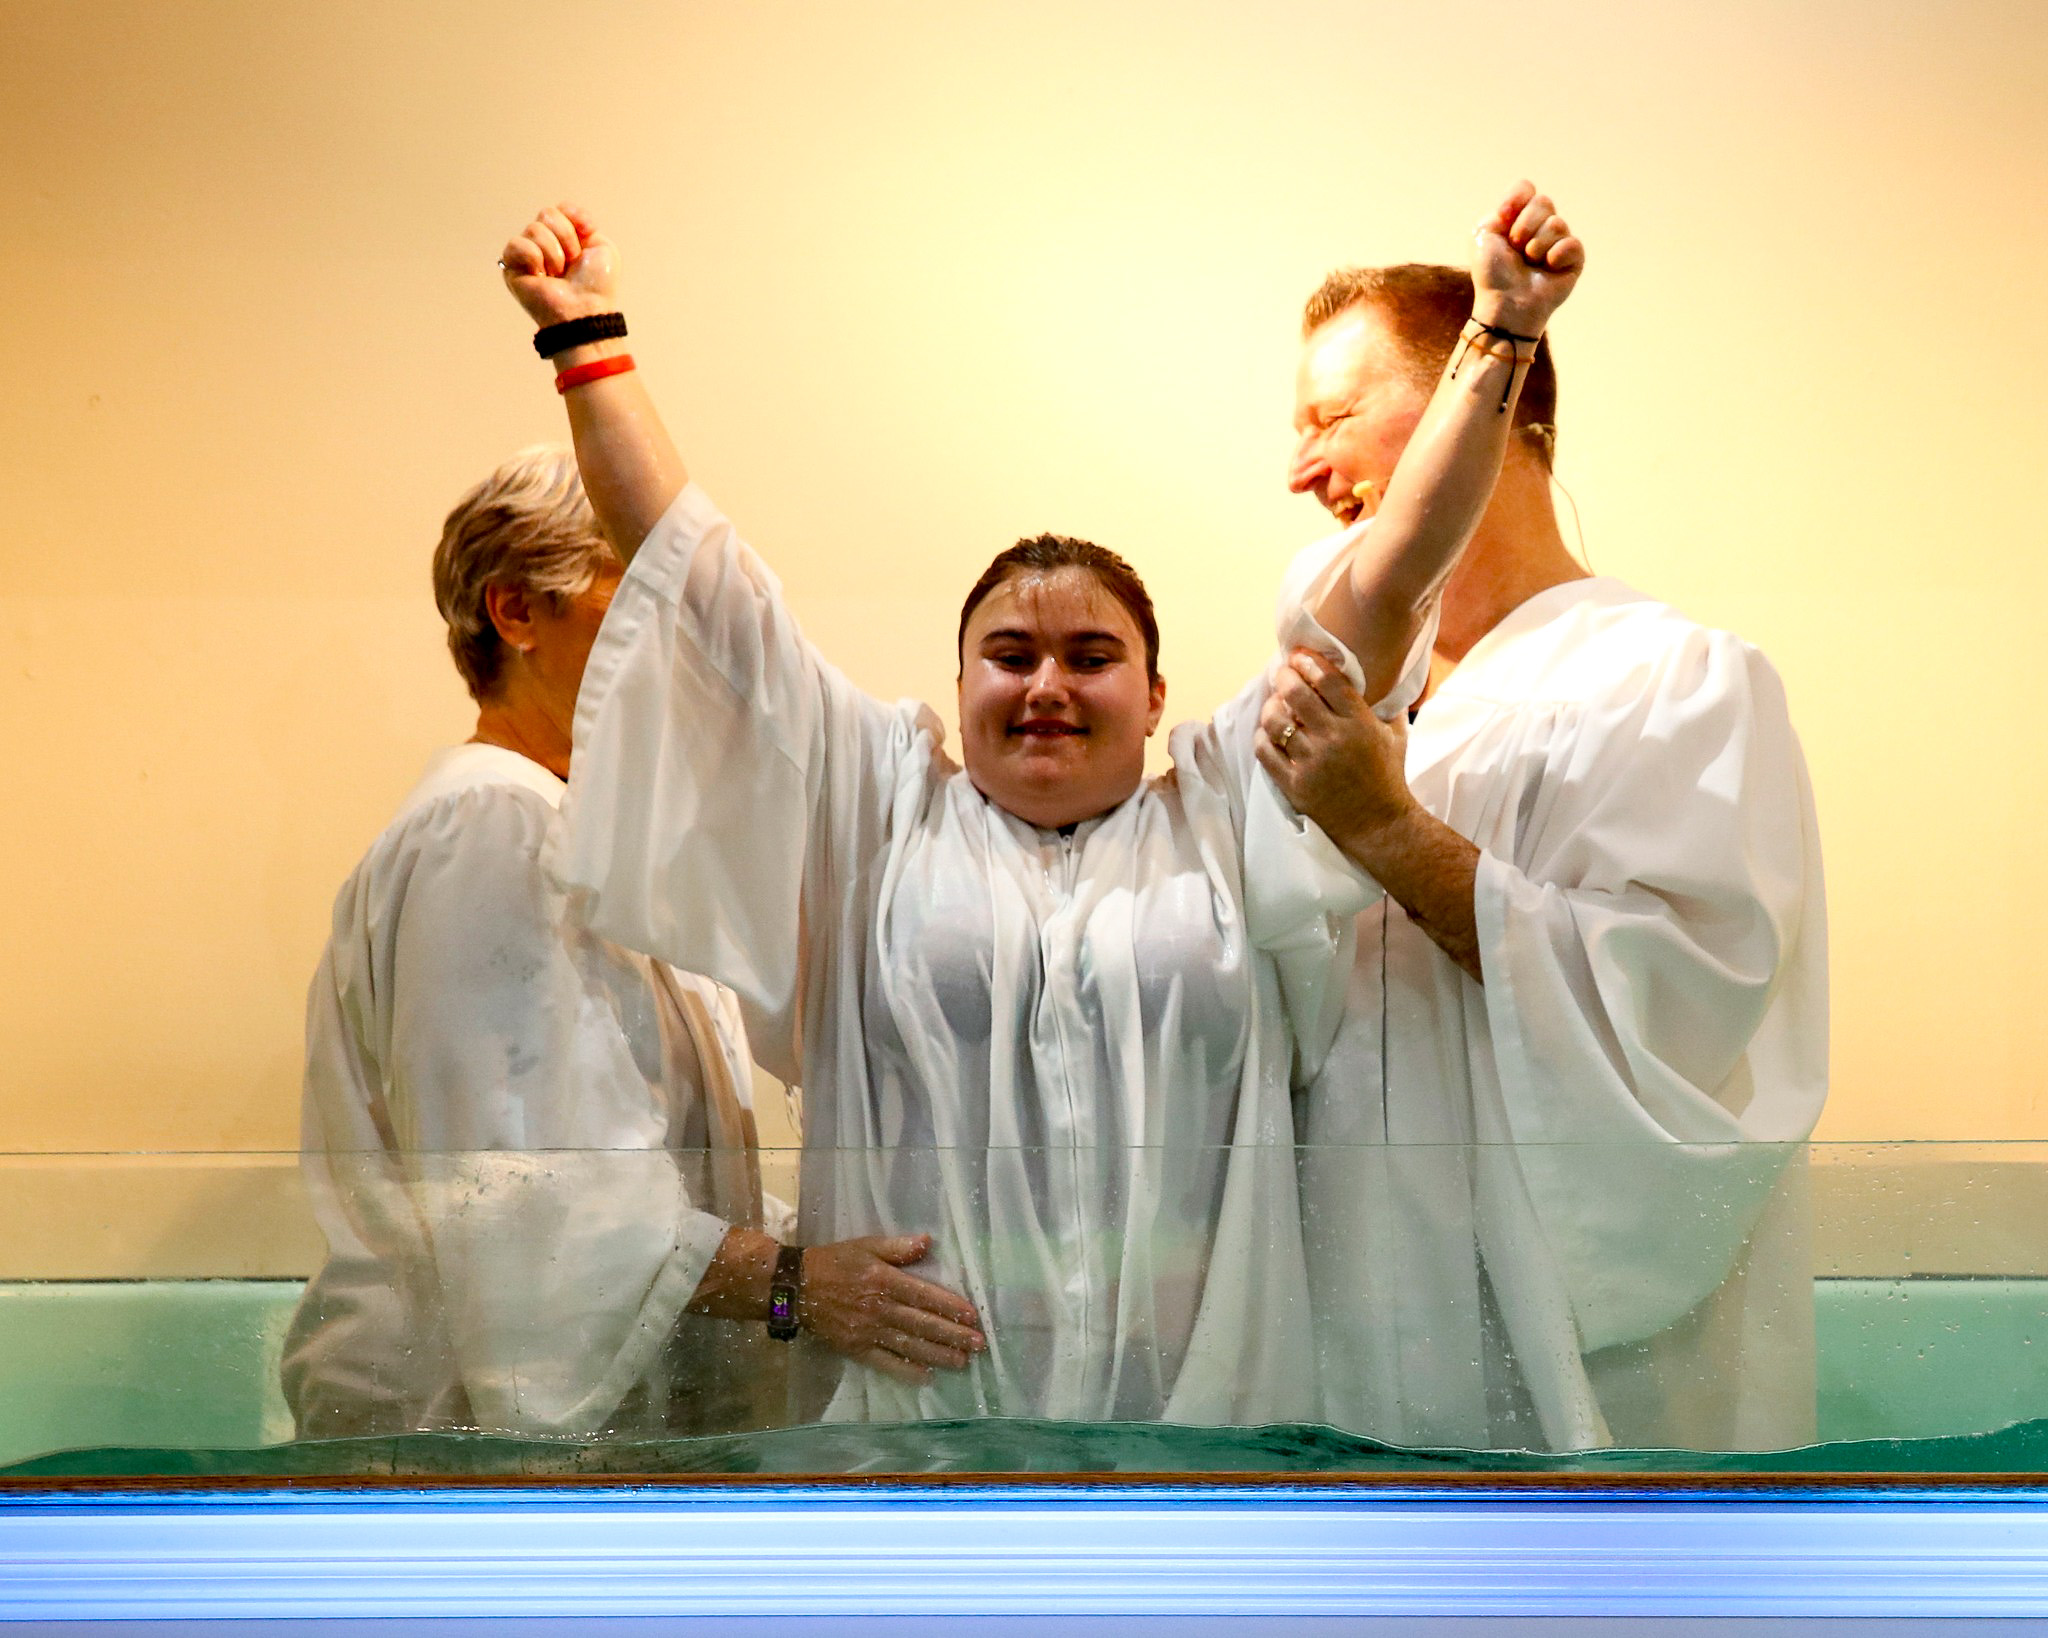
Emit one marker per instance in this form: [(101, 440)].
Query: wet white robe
[(1067, 1057), (1557, 1209), (523, 1145)]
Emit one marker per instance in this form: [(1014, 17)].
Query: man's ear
[(511, 613), (1157, 708)]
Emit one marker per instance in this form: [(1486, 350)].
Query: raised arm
[(1524, 263), (559, 267)]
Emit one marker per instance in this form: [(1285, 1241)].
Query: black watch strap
[(784, 1287)]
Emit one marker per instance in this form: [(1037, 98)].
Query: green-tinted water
[(996, 1446)]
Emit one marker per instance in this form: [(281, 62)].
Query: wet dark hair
[(1042, 553), (1425, 307)]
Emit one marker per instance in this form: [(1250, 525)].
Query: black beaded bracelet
[(578, 332)]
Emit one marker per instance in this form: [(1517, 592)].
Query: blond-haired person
[(531, 1151)]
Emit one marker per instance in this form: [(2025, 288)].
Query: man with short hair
[(1545, 1167)]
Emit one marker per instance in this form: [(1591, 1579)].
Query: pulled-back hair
[(1425, 306), (528, 526), (1043, 553)]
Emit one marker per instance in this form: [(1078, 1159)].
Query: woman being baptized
[(1045, 1009)]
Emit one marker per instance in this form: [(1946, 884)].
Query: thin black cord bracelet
[(1467, 343), (578, 332)]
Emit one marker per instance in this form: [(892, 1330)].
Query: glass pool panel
[(147, 1301)]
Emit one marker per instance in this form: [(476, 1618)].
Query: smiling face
[(1055, 701), (1356, 403)]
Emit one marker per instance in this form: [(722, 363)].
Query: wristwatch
[(784, 1287)]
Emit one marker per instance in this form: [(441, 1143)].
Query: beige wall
[(914, 278)]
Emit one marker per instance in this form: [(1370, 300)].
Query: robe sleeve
[(723, 773), (563, 1241), (1302, 894), (1655, 985)]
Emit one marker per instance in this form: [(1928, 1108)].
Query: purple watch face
[(781, 1300)]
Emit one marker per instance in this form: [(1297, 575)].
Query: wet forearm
[(1431, 872), (631, 468), (735, 1285)]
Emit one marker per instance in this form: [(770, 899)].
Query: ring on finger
[(1286, 735)]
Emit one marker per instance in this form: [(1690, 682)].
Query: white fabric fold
[(1300, 907)]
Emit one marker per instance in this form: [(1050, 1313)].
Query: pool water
[(179, 1378), (994, 1445)]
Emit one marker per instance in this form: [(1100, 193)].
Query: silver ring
[(1287, 735)]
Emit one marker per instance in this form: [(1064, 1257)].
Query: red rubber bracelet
[(596, 370)]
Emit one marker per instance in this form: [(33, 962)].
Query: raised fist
[(1524, 262), (560, 267)]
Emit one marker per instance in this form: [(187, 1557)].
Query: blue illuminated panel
[(1163, 1551)]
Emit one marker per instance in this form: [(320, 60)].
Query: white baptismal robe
[(1066, 1057), (1562, 1197), (519, 1142)]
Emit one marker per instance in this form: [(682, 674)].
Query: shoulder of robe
[(1195, 757), (1658, 702), (1613, 650), (916, 728), (489, 832), (469, 857), (1688, 667)]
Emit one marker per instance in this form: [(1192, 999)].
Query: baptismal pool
[(148, 1470), (1927, 1266)]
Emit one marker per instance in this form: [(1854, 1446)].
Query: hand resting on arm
[(1347, 770)]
